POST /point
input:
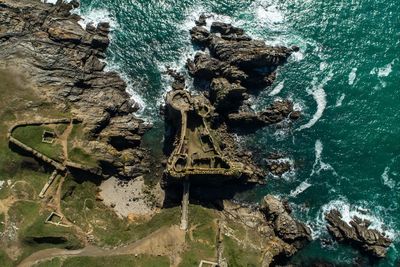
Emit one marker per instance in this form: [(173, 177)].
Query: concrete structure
[(47, 185)]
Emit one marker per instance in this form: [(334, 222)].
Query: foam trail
[(318, 161), (319, 96), (352, 76), (277, 89), (300, 189), (339, 102), (386, 179), (383, 71)]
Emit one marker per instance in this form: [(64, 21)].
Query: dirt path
[(64, 140), (167, 241)]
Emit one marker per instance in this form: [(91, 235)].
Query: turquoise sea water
[(345, 150)]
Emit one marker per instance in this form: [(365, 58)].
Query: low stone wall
[(37, 154), (42, 122), (73, 165)]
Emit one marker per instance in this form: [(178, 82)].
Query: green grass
[(2, 217), (78, 155), (237, 256), (108, 228), (56, 262), (5, 261), (204, 243), (32, 137)]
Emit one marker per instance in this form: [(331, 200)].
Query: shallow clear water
[(346, 148)]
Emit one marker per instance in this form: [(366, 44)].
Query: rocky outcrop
[(65, 65), (284, 235), (236, 67), (358, 234), (233, 68)]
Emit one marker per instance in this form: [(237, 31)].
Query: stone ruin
[(197, 149)]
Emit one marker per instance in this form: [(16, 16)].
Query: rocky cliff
[(64, 64)]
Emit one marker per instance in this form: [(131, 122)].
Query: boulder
[(358, 234)]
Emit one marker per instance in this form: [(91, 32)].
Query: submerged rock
[(358, 234)]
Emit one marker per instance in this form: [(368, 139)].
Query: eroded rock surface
[(357, 233), (65, 65), (283, 235)]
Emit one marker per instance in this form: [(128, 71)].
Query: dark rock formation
[(358, 234), (236, 67), (63, 62), (285, 226)]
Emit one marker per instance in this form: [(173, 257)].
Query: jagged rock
[(358, 234), (284, 235), (225, 28), (63, 62), (200, 35), (226, 96), (277, 112), (248, 54), (202, 21), (284, 225), (67, 31)]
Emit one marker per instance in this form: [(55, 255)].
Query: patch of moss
[(5, 261), (78, 155)]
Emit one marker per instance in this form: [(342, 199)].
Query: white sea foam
[(348, 212), (383, 71), (339, 101), (95, 16), (130, 85), (319, 96), (54, 1), (352, 76), (300, 189), (319, 165), (277, 89), (387, 180), (270, 14)]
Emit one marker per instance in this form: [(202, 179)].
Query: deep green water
[(345, 150)]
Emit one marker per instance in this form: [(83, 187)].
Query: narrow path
[(64, 140), (167, 241), (185, 206), (57, 198)]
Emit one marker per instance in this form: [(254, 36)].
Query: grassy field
[(202, 236), (80, 206), (120, 261), (32, 136), (75, 152)]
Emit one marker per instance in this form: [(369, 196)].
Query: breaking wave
[(349, 211)]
